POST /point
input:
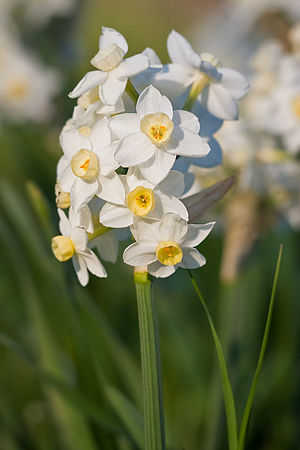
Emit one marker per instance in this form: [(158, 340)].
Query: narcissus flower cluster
[(120, 171)]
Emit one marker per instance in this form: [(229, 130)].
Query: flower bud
[(62, 197), (63, 248), (109, 58)]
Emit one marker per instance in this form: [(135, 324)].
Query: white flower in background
[(145, 200), (26, 88), (113, 70), (165, 245), (219, 87), (39, 12), (88, 166), (72, 243), (154, 136)]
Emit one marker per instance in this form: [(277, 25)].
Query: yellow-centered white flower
[(88, 165), (72, 243), (113, 71), (145, 200), (151, 138), (166, 244)]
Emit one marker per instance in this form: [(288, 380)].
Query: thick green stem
[(195, 90), (131, 91), (151, 366)]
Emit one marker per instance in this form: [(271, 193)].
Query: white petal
[(100, 135), (152, 56), (110, 36), (159, 270), (67, 179), (172, 227), (158, 166), (173, 80), (107, 245), (192, 259), (196, 234), (64, 223), (89, 81), (71, 141), (181, 51), (80, 269), (173, 184), (116, 216), (151, 101), (82, 219), (124, 124), (139, 254), (234, 82), (173, 205), (112, 89), (145, 230), (62, 164), (219, 102), (82, 192), (134, 178), (134, 149), (186, 143), (79, 238), (209, 124), (132, 66), (212, 159), (187, 120), (111, 188), (108, 164), (93, 263)]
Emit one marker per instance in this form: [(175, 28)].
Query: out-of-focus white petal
[(219, 102), (181, 51), (64, 223), (107, 245), (172, 227), (234, 82), (82, 192), (192, 259), (196, 234), (187, 120), (131, 66), (124, 124), (110, 36), (186, 143), (80, 269), (151, 101), (209, 124), (112, 89), (152, 56), (89, 81), (111, 188), (173, 80), (116, 216), (134, 149), (158, 270), (158, 166), (139, 254), (173, 184)]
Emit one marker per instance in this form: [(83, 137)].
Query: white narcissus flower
[(220, 86), (145, 200), (113, 71), (151, 138), (72, 243), (89, 166), (165, 245)]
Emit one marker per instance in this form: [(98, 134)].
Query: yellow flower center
[(62, 197), (85, 164), (158, 127), (296, 106), (169, 253), (18, 89), (63, 248), (140, 201), (208, 57), (109, 58)]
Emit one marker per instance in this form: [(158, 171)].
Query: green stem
[(151, 366), (248, 407), (195, 90), (131, 91), (227, 390)]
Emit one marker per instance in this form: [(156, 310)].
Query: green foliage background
[(69, 357)]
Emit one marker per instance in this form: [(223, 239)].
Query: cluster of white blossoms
[(120, 170)]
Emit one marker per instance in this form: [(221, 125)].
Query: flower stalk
[(154, 433), (195, 90), (132, 92)]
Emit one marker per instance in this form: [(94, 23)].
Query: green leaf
[(226, 385), (248, 407)]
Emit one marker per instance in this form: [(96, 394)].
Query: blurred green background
[(69, 356)]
